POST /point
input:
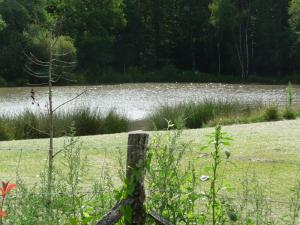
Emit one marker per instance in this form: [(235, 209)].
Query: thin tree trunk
[(193, 57), (157, 20), (219, 58), (240, 52), (240, 59), (247, 48), (51, 150)]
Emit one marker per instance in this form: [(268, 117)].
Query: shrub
[(87, 122), (199, 114), (171, 181), (159, 119), (168, 73), (114, 123), (271, 113), (289, 114)]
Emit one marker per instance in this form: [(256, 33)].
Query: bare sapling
[(49, 69)]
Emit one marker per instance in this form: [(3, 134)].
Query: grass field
[(270, 150)]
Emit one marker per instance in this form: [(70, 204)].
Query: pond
[(138, 100)]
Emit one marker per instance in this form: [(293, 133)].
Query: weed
[(289, 114), (290, 94), (171, 183), (197, 115), (29, 125), (215, 204), (271, 113)]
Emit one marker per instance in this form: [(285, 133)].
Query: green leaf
[(204, 147), (225, 143), (249, 222)]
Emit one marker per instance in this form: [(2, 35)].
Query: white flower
[(204, 178)]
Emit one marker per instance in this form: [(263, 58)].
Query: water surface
[(138, 100)]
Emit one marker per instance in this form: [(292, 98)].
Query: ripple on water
[(138, 100)]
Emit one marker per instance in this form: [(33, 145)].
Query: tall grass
[(208, 112), (29, 125)]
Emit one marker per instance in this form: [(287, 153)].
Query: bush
[(159, 119), (168, 73), (289, 114), (114, 123), (199, 114), (87, 122), (172, 182), (271, 113)]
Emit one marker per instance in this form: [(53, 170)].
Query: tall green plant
[(290, 94), (75, 168), (171, 182), (289, 113), (216, 206)]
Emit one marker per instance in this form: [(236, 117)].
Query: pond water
[(138, 100)]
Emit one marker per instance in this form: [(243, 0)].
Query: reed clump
[(30, 125)]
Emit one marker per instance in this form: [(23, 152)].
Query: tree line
[(232, 38)]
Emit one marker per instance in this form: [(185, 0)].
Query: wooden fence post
[(135, 175), (135, 172)]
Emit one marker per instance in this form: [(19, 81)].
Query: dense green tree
[(94, 25), (272, 37), (294, 22), (224, 19), (239, 38), (18, 17), (12, 40), (2, 23)]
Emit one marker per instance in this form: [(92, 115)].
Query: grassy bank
[(29, 125), (211, 112)]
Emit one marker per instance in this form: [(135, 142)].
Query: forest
[(156, 40)]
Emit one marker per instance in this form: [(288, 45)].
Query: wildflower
[(204, 178), (6, 187), (3, 213)]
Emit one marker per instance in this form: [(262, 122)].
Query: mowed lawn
[(269, 150)]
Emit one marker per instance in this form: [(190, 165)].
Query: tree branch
[(65, 62), (72, 99), (37, 60), (62, 54)]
